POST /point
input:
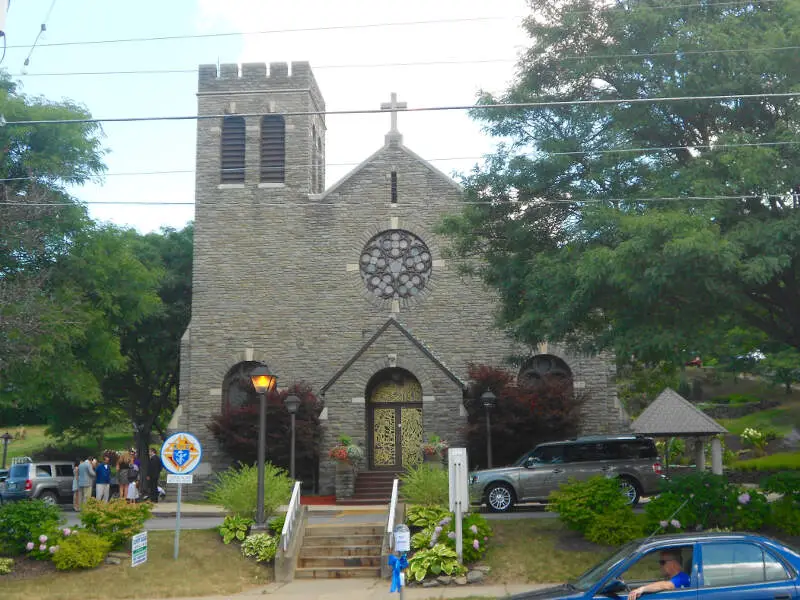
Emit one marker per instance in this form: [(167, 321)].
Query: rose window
[(395, 264)]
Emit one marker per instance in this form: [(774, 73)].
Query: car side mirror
[(530, 463), (614, 587)]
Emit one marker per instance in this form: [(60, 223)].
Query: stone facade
[(277, 275)]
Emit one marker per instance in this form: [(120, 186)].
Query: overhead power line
[(307, 168), (328, 205), (432, 63), (160, 38), (366, 111)]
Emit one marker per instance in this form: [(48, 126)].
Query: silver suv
[(50, 481), (633, 460)]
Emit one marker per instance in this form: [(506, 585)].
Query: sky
[(484, 38)]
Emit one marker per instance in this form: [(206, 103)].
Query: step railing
[(292, 516)]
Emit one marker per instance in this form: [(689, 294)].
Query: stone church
[(345, 287)]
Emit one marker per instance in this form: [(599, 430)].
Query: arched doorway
[(546, 370), (394, 420)]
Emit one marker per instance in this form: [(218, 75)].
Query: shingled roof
[(672, 415)]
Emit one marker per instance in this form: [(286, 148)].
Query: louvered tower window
[(233, 144), (273, 149)]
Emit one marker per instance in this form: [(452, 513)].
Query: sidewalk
[(370, 589)]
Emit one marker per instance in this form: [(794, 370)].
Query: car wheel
[(48, 498), (630, 490), (500, 497)]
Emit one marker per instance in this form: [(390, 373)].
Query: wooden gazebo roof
[(671, 415)]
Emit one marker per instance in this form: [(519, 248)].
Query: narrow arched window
[(273, 149), (232, 150)]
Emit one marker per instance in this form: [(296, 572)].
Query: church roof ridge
[(392, 320)]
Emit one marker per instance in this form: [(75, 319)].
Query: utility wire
[(430, 63), (672, 6), (307, 168), (409, 204), (366, 111)]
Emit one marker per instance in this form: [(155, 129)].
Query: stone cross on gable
[(393, 105)]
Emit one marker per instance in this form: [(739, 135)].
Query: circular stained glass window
[(395, 264)]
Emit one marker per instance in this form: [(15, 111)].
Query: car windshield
[(521, 460), (598, 572)]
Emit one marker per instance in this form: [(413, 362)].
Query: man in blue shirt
[(672, 568), (103, 472)]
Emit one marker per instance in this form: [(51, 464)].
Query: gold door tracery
[(396, 428)]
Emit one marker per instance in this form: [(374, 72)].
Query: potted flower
[(434, 450), (345, 452)]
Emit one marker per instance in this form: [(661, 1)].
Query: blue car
[(701, 566)]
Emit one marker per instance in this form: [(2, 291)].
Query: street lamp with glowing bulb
[(263, 382)]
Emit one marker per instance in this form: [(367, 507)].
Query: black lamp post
[(292, 404), (263, 382), (489, 400), (6, 437)]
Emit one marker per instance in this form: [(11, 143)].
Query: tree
[(236, 429), (523, 417), (559, 222), (39, 223), (145, 390), (782, 367)]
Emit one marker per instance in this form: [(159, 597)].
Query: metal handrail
[(392, 510), (292, 513)]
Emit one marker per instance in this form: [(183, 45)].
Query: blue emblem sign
[(181, 453)]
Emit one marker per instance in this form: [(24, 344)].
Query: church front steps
[(340, 551), (371, 487)]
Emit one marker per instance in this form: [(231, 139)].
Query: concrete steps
[(340, 551), (371, 487)]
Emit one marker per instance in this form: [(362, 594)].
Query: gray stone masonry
[(276, 274)]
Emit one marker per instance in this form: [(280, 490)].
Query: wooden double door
[(395, 425)]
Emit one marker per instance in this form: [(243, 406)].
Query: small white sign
[(402, 540), (139, 549), (172, 478)]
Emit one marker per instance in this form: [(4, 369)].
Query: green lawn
[(36, 440), (539, 551), (781, 419), (780, 461), (205, 567)]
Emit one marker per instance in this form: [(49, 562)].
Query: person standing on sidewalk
[(153, 472), (85, 478), (103, 479)]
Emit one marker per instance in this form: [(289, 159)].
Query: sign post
[(398, 561), (180, 454), (459, 493)]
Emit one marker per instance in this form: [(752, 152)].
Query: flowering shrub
[(116, 521), (345, 451), (475, 531), (705, 501), (435, 446), (84, 550), (47, 544), (22, 522), (757, 439), (261, 546)]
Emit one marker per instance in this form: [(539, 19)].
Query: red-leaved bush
[(236, 429), (523, 416)]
